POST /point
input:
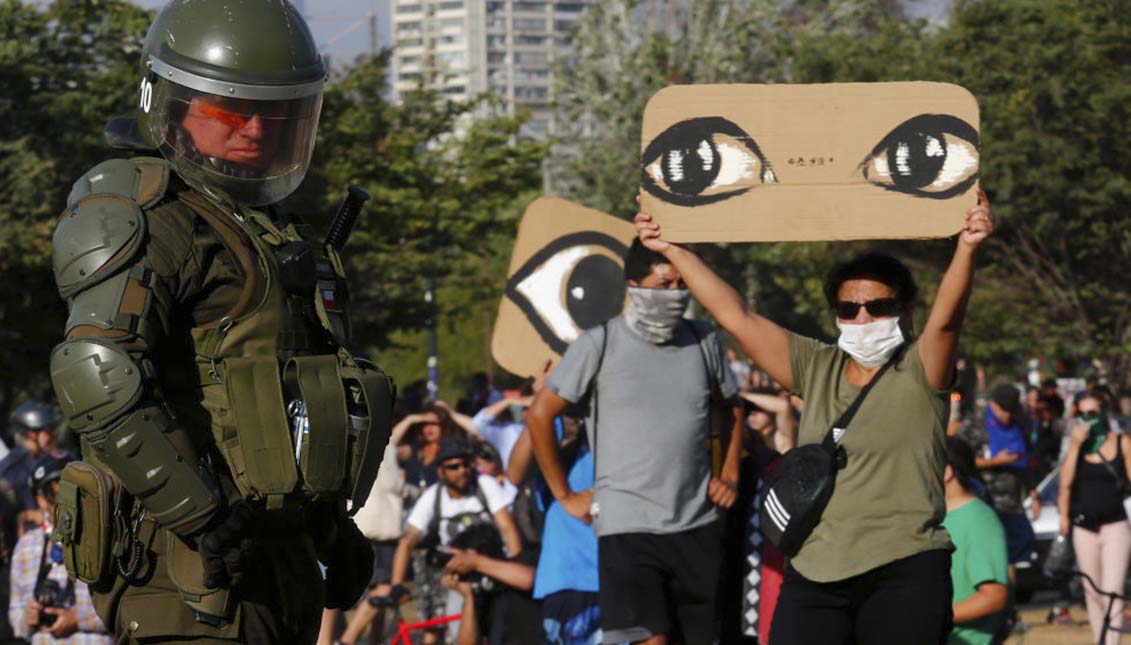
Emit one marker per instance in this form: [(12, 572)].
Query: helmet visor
[(255, 151)]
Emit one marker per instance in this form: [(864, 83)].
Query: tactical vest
[(295, 414)]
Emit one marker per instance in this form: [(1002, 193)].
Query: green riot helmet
[(230, 94)]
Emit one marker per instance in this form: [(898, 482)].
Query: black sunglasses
[(456, 465), (880, 308)]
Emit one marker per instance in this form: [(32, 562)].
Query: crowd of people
[(614, 497)]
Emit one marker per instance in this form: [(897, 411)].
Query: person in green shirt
[(876, 567), (979, 568)]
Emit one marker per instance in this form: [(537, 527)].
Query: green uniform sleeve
[(125, 291)]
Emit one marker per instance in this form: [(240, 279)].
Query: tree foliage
[(63, 69), (447, 179), (1050, 77)]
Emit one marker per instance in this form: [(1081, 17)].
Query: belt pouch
[(321, 453), (261, 456), (87, 498)]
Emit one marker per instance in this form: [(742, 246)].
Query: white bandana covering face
[(870, 344), (654, 314)]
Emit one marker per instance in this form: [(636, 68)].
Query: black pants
[(659, 584), (906, 602)]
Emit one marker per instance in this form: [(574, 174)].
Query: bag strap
[(593, 392), (1119, 481), (434, 525), (482, 497), (832, 439)]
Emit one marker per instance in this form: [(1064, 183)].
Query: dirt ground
[(1038, 632)]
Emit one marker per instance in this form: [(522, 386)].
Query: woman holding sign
[(876, 567)]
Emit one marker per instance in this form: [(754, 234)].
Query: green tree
[(1050, 76), (64, 69), (448, 181)]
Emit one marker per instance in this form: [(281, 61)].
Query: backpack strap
[(434, 525), (593, 392), (482, 497)]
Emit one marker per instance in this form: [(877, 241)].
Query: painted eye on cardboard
[(573, 283), (702, 161), (931, 155)]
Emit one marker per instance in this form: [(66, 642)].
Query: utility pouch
[(369, 434), (185, 567), (83, 527), (260, 455), (322, 452)]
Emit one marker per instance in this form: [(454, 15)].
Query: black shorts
[(903, 602), (383, 553), (659, 584)]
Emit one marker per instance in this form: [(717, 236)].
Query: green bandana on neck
[(1098, 428)]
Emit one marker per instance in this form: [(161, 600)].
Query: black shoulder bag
[(796, 496)]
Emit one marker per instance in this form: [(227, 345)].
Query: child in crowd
[(979, 567)]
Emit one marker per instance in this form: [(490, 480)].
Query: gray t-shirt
[(653, 462)]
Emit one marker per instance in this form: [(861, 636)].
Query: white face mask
[(870, 344)]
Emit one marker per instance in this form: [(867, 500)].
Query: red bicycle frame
[(404, 630)]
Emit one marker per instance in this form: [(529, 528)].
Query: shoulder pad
[(142, 180), (104, 227), (97, 236)]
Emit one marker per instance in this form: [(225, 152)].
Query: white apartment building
[(467, 47)]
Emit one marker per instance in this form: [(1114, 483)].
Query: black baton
[(342, 224)]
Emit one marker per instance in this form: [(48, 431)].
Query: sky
[(342, 29)]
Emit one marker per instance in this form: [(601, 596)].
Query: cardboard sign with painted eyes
[(566, 275), (809, 162)]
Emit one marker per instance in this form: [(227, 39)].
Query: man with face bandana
[(654, 382)]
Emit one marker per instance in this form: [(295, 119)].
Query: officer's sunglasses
[(237, 114), (878, 308)]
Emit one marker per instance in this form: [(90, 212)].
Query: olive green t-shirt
[(888, 501)]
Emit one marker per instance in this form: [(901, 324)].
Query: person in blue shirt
[(565, 582)]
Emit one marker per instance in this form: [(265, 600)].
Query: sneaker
[(1059, 616)]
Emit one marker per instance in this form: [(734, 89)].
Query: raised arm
[(398, 433), (462, 420), (939, 340), (764, 341), (523, 451)]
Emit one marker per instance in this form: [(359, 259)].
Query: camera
[(438, 558), (49, 594)]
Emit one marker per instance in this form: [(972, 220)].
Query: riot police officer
[(223, 418)]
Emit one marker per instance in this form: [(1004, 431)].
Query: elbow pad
[(100, 390)]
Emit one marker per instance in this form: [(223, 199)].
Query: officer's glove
[(226, 547), (347, 554)]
